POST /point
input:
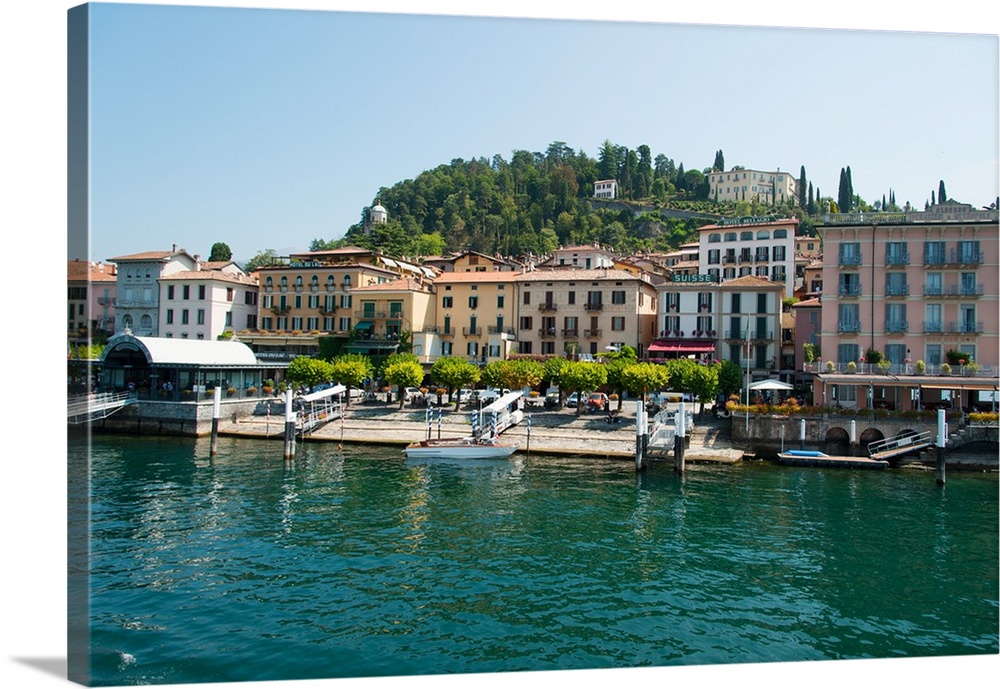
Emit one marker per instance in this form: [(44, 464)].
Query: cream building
[(762, 247), (91, 298), (752, 185), (584, 312), (204, 303), (385, 312), (475, 316)]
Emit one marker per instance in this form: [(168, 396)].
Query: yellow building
[(387, 312), (474, 316)]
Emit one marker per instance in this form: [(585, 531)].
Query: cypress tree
[(811, 208), (933, 202), (942, 196), (802, 187), (850, 190)]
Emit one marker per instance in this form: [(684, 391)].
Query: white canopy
[(328, 392), (770, 384)]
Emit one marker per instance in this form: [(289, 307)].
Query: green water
[(359, 563)]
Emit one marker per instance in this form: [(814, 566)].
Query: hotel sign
[(748, 220), (700, 277)]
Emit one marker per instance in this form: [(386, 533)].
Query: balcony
[(976, 290), (370, 315), (932, 327), (494, 330), (965, 327), (933, 291), (328, 310), (547, 332), (849, 290), (849, 260), (570, 332), (331, 287), (935, 258), (897, 260), (897, 290), (280, 310), (848, 327), (472, 332), (896, 326), (594, 306), (592, 333), (547, 307)]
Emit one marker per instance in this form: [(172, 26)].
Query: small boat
[(460, 448)]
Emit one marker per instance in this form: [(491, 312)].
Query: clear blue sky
[(268, 128)]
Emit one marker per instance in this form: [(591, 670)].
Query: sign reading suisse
[(700, 277)]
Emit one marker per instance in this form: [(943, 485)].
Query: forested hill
[(538, 201)]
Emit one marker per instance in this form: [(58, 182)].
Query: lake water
[(360, 563)]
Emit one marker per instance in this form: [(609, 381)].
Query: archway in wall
[(837, 441), (870, 435)]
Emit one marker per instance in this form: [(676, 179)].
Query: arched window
[(714, 238), (746, 235), (284, 281), (763, 234), (298, 281), (127, 321), (315, 280), (269, 281), (146, 322), (347, 281), (780, 234), (730, 236)]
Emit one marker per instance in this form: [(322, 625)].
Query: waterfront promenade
[(558, 432)]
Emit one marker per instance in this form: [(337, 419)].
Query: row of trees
[(618, 372)]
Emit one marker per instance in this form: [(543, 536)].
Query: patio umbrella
[(770, 385)]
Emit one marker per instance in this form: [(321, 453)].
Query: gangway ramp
[(899, 445), (501, 414), (91, 407)]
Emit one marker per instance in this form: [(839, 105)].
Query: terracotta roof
[(485, 276), (218, 275), (684, 264), (751, 281), (92, 272), (144, 256), (575, 275), (807, 303)]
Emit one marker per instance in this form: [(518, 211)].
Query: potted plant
[(884, 365), (852, 367), (230, 391), (251, 390), (945, 368), (830, 366), (920, 366)]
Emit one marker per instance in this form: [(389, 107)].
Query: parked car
[(490, 395), (574, 398), (597, 401), (465, 395)]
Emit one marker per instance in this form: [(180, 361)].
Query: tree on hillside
[(644, 182), (802, 187), (607, 161), (720, 162), (942, 194), (220, 252), (811, 202)]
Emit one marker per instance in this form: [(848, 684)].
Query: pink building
[(913, 289)]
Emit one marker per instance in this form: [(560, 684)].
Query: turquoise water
[(359, 563)]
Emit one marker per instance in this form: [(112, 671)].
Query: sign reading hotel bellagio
[(748, 220)]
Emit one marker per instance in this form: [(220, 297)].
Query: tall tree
[(607, 161), (802, 187), (811, 201), (720, 162), (220, 252), (267, 257), (942, 194)]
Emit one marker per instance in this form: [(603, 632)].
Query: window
[(548, 347), (781, 234), (446, 348), (571, 297), (763, 234), (746, 236), (472, 348), (778, 253), (313, 301), (968, 252), (714, 238), (895, 353), (850, 284), (184, 317), (618, 297), (170, 316), (267, 302), (229, 319), (473, 301), (713, 256), (847, 352), (446, 302), (895, 285), (934, 253), (298, 301), (345, 324), (527, 298), (524, 347), (499, 301), (762, 302), (201, 291), (297, 323), (201, 317), (170, 291), (933, 354), (618, 323), (735, 308), (730, 236), (933, 285), (848, 318), (345, 301), (187, 291), (895, 318), (230, 292)]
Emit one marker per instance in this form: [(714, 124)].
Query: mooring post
[(802, 434), (942, 440), (289, 426), (640, 422), (854, 438), (428, 421), (680, 421), (527, 449), (440, 412), (216, 413)]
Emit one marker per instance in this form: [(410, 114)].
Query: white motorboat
[(459, 448)]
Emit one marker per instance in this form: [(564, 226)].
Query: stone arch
[(870, 435), (837, 440)]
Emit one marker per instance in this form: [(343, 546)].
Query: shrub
[(920, 366), (945, 368), (251, 390), (851, 367), (830, 366)]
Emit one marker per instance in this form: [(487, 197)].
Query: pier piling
[(640, 432), (942, 440), (289, 426), (216, 413), (679, 422)]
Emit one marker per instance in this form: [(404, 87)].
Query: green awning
[(364, 325)]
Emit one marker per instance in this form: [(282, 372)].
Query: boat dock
[(808, 458)]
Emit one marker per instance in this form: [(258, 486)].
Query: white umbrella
[(770, 385)]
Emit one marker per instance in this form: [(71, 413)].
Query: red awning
[(682, 347)]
